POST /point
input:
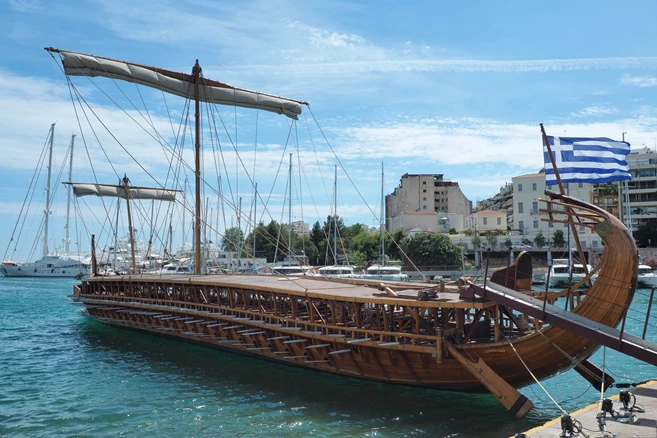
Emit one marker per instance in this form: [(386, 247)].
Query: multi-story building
[(426, 193), (605, 196), (642, 189), (486, 220), (301, 228), (528, 190), (428, 221)]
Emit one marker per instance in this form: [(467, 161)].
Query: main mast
[(196, 73), (46, 212)]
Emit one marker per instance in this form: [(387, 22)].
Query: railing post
[(547, 286), (645, 326), (486, 272)]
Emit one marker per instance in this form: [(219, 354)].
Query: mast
[(289, 213), (196, 72), (126, 185), (255, 226), (335, 214), (116, 233), (68, 198), (46, 212), (381, 225)]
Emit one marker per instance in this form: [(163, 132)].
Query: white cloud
[(595, 111), (639, 81), (26, 5)]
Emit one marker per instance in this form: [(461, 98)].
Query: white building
[(301, 228), (428, 221), (528, 190)]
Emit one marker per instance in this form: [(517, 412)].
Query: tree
[(558, 239), (491, 239), (539, 240), (432, 250), (476, 241), (508, 243), (317, 234), (233, 239), (646, 234)]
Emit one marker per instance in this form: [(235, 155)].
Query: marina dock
[(586, 421)]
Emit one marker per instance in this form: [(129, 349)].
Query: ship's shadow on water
[(257, 384)]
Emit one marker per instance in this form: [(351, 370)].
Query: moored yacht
[(337, 271), (382, 272), (560, 273), (646, 277), (47, 266)]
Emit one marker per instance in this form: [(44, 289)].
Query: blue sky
[(457, 88)]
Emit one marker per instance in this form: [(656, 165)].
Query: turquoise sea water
[(62, 374)]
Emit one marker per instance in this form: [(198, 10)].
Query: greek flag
[(587, 160)]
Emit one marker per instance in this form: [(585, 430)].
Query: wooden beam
[(515, 402)]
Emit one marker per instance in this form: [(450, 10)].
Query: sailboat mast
[(335, 217), (126, 186), (46, 212), (289, 213), (255, 225), (68, 200), (116, 233), (196, 72), (381, 224)]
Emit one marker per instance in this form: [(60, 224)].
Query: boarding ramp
[(608, 336)]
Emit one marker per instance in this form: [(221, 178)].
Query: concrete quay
[(586, 423)]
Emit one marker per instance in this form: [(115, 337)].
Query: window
[(485, 220), (535, 223), (594, 243), (521, 207), (424, 207), (424, 190), (550, 225), (424, 199), (534, 186), (535, 207), (582, 229), (424, 183), (580, 185), (521, 226), (520, 187), (499, 221)]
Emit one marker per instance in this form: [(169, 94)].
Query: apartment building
[(528, 190), (642, 189), (426, 193)]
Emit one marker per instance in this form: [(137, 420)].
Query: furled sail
[(87, 189), (180, 84)]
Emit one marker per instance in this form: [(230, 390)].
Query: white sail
[(88, 189), (180, 84)]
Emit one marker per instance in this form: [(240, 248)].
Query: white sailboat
[(51, 264), (382, 271)]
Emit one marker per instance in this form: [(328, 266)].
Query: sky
[(452, 88)]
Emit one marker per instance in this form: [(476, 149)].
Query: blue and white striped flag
[(587, 160)]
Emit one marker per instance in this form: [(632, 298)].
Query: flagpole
[(569, 210), (552, 160)]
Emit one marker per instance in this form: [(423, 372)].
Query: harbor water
[(64, 374)]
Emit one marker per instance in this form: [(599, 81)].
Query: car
[(521, 246)]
